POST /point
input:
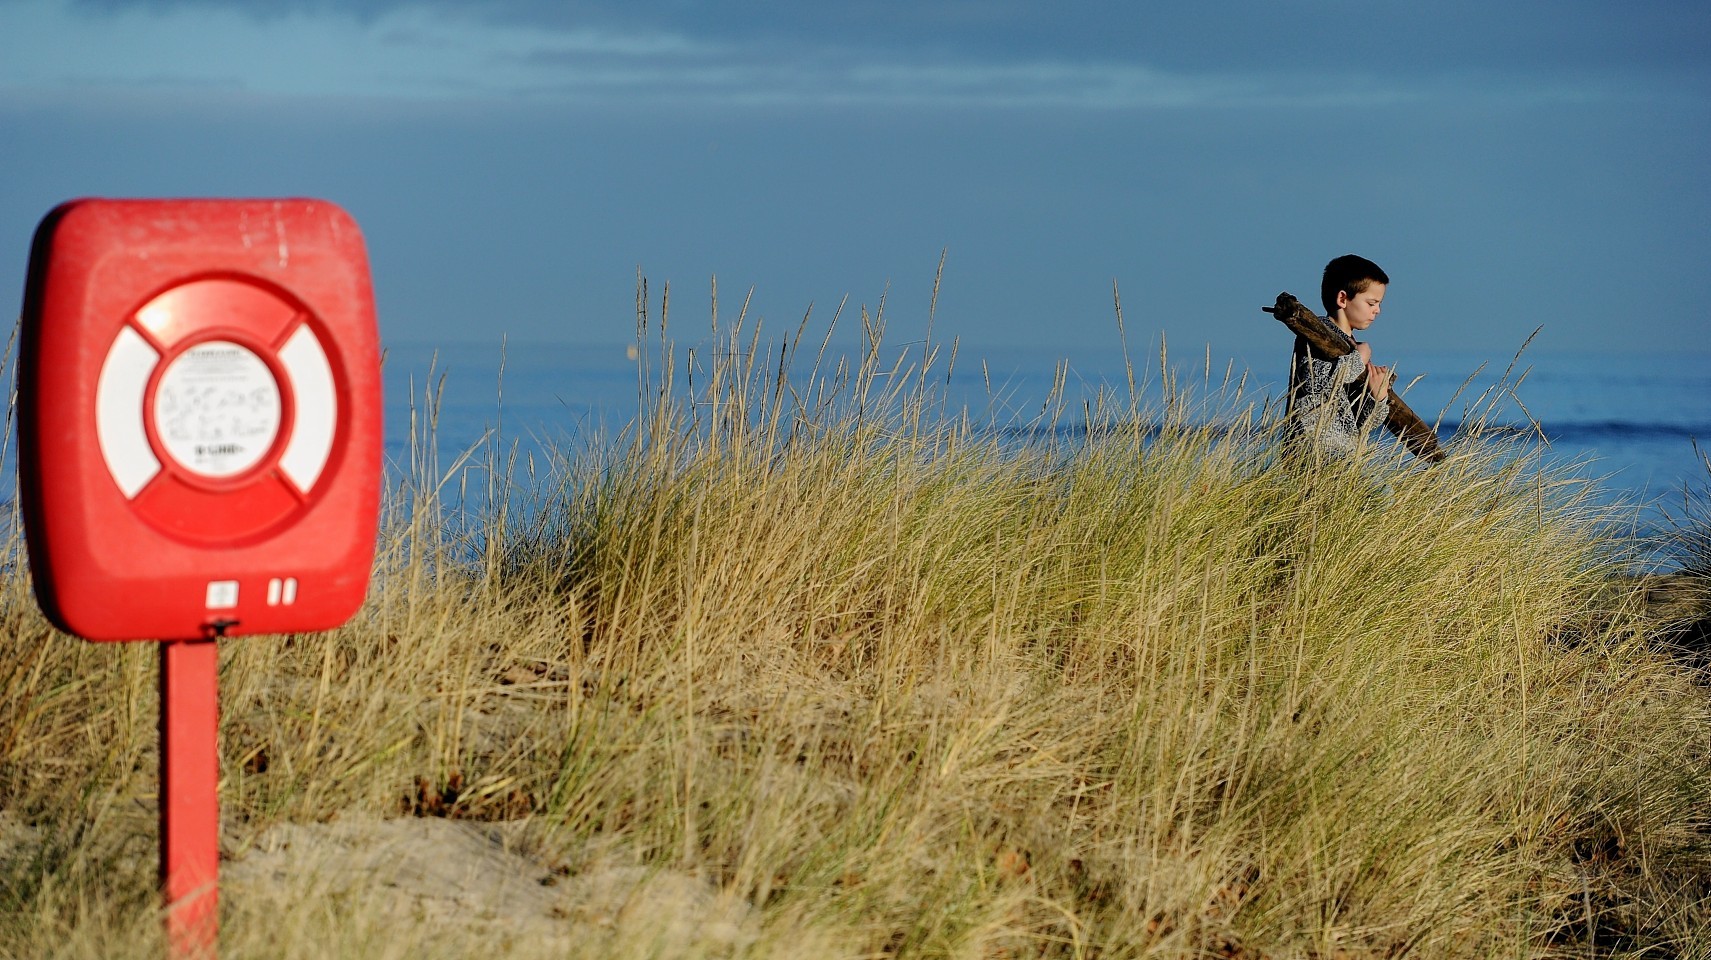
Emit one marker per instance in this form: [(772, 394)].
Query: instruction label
[(217, 409)]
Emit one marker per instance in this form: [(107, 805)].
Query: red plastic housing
[(199, 417)]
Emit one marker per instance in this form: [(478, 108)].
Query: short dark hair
[(1351, 275)]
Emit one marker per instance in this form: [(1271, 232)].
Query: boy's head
[(1348, 274)]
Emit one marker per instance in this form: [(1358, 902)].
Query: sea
[(1636, 427)]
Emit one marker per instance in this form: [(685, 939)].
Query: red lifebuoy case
[(199, 417)]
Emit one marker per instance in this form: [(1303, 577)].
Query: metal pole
[(189, 796)]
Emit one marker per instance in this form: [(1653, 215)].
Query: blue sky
[(514, 163)]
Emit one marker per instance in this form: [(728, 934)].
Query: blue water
[(1627, 422)]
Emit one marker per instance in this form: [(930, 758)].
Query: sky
[(515, 164)]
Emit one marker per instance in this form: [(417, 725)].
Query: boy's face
[(1361, 309)]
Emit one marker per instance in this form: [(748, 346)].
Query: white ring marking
[(119, 412), (317, 408)]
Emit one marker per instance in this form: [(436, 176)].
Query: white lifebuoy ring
[(190, 395)]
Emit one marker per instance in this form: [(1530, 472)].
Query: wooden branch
[(1324, 337)]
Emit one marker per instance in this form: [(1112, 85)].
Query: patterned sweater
[(1328, 402)]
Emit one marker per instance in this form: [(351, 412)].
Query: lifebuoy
[(217, 409)]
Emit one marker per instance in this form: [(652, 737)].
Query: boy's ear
[(1342, 299)]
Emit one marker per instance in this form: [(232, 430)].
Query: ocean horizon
[(1628, 423)]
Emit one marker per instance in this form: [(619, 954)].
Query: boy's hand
[(1378, 381), (1377, 378)]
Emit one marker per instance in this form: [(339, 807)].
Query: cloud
[(886, 53), (1384, 35)]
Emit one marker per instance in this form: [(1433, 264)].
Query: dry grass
[(808, 668)]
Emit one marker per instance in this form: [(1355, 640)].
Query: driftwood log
[(1415, 434)]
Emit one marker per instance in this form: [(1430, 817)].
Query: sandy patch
[(469, 877), (17, 838)]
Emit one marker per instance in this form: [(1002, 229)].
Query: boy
[(1333, 404)]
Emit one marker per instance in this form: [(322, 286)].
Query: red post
[(189, 796)]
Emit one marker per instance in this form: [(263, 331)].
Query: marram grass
[(810, 668)]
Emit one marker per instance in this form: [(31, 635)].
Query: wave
[(1593, 432), (1573, 432)]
